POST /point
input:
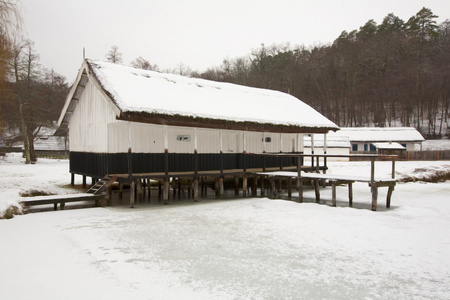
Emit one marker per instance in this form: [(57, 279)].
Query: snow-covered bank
[(49, 176)]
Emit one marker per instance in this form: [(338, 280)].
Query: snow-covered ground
[(252, 248), (443, 144)]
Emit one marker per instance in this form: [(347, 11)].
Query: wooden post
[(273, 192), (109, 196), (62, 205), (289, 187), (216, 187), (196, 189), (333, 193), (374, 189), (393, 168), (139, 190), (236, 186), (316, 189), (149, 187), (388, 197), (132, 188), (166, 191), (221, 189), (203, 187), (254, 186), (244, 186), (262, 187), (84, 181), (72, 179), (350, 194), (374, 197), (120, 191), (159, 191), (299, 180)]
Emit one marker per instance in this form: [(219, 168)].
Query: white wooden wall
[(149, 138), (88, 126)]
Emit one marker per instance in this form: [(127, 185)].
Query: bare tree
[(10, 22), (142, 63), (114, 55)]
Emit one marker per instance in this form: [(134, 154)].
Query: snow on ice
[(252, 248)]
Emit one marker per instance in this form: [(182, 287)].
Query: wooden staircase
[(102, 184)]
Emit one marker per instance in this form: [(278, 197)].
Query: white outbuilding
[(363, 139)]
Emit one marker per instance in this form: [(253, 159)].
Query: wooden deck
[(334, 180), (61, 199)]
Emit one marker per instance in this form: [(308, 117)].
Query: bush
[(11, 211)]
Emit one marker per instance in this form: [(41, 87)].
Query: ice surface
[(252, 248)]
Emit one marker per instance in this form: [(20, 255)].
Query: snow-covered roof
[(381, 134), (333, 141), (153, 93), (388, 146)]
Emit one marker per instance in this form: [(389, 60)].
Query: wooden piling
[(333, 193), (120, 192), (273, 192), (299, 180), (244, 186), (221, 189), (388, 197), (195, 190), (316, 189), (374, 197), (262, 186), (254, 186), (350, 194), (132, 188), (289, 186), (236, 186), (166, 191), (139, 191)]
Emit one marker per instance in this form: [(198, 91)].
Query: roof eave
[(189, 121)]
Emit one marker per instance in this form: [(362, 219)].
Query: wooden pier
[(247, 179), (61, 200)]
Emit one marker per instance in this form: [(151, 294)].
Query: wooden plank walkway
[(61, 199), (334, 180)]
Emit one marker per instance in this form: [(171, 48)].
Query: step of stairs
[(102, 184)]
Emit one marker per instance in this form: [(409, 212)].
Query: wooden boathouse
[(133, 124)]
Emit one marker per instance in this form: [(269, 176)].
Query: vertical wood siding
[(88, 128)]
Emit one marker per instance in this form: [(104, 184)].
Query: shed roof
[(148, 96), (333, 141), (388, 146), (381, 134)]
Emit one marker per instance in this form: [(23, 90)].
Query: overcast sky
[(197, 33)]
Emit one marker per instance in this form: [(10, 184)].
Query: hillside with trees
[(395, 73)]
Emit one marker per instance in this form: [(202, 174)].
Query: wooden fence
[(415, 155)]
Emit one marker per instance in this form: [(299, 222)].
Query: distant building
[(364, 139), (335, 145)]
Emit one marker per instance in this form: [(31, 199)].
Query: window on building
[(366, 148), (267, 139), (372, 148), (355, 147), (183, 138)]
